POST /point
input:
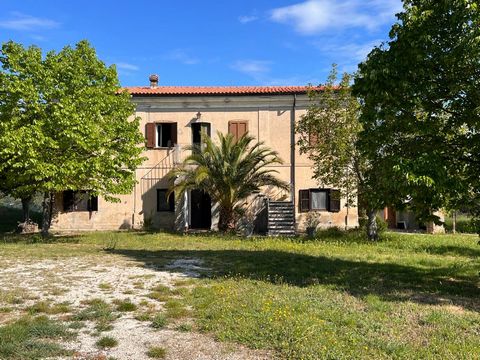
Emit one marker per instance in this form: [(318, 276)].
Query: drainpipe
[(292, 154)]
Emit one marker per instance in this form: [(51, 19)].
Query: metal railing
[(161, 169)]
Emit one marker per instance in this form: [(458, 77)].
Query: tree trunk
[(48, 200), (226, 222), (26, 208), (372, 230)]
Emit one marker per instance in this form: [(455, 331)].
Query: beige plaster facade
[(270, 119)]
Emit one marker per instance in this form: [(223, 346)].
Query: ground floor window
[(319, 199), (81, 200), (165, 203)]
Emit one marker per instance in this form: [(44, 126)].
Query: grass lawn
[(338, 297)]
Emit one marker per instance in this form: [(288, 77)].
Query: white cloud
[(346, 54), (19, 21), (127, 66), (252, 68), (246, 19), (182, 56), (314, 16), (355, 52)]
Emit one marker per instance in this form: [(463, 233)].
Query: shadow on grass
[(392, 282), (453, 250)]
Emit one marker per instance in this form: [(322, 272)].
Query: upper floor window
[(197, 130), (237, 128), (161, 135)]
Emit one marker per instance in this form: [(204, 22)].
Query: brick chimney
[(153, 81)]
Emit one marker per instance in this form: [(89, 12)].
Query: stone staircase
[(281, 218)]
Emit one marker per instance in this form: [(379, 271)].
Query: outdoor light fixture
[(199, 115)]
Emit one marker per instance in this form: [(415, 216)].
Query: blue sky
[(207, 42)]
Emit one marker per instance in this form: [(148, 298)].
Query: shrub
[(464, 225)]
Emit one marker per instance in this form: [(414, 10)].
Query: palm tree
[(229, 172)]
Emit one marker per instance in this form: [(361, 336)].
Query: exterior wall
[(411, 223), (269, 120)]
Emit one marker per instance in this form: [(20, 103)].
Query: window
[(237, 128), (319, 199), (164, 203), (161, 135), (197, 130), (166, 133), (79, 201)]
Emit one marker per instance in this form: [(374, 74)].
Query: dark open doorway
[(201, 210)]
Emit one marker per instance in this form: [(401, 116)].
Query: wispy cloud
[(314, 16), (24, 22), (182, 56), (346, 54), (260, 71), (247, 18), (353, 51), (127, 66), (253, 68)]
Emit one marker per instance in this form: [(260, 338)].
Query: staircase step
[(281, 212)]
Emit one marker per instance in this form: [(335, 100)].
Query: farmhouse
[(175, 117)]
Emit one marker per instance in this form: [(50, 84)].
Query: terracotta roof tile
[(216, 90)]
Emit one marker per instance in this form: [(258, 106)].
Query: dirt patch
[(75, 281)]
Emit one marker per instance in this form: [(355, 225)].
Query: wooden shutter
[(150, 130), (304, 200), (92, 204), (233, 129), (68, 200), (334, 200), (242, 129), (237, 128), (173, 134)]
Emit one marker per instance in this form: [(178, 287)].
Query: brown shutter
[(173, 134), (304, 200), (334, 200), (233, 129), (237, 128), (242, 129), (150, 130)]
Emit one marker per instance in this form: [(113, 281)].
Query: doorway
[(200, 210)]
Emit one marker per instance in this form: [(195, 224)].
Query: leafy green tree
[(64, 124), (328, 134), (420, 105), (229, 172)]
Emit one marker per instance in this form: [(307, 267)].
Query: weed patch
[(159, 321), (156, 353), (106, 342), (33, 338)]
